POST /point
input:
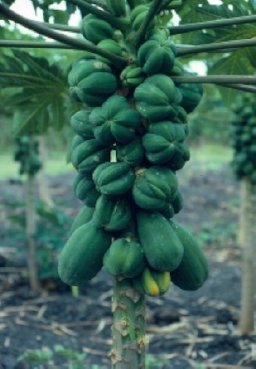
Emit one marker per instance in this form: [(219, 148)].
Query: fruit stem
[(199, 26), (66, 40), (128, 329)]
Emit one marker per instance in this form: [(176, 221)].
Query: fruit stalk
[(128, 329)]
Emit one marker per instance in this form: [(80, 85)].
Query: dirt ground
[(185, 329)]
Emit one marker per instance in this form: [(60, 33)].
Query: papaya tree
[(134, 97), (38, 106), (243, 164)]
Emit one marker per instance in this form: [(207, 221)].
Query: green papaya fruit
[(192, 272), (161, 245), (84, 216), (113, 179), (157, 55), (112, 214), (157, 98), (88, 155), (124, 258), (154, 188), (131, 153), (81, 125), (114, 121), (95, 29), (84, 189), (82, 256)]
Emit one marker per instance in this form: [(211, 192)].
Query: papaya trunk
[(31, 232), (43, 187), (247, 237), (128, 330)]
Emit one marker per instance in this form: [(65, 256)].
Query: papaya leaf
[(235, 63), (37, 90)]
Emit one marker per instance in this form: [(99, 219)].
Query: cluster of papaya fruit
[(243, 136), (27, 154), (129, 143)]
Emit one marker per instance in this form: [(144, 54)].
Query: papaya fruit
[(131, 153), (124, 258), (115, 121), (84, 80), (132, 76), (164, 144), (157, 98), (84, 189), (117, 7), (161, 245), (192, 271), (82, 256), (113, 179), (157, 55), (152, 283), (191, 95), (154, 188), (84, 216), (88, 155), (95, 29), (81, 125), (112, 214)]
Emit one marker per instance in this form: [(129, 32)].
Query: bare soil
[(185, 329)]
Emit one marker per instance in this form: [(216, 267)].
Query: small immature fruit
[(117, 7), (95, 29), (132, 76), (157, 55), (115, 121), (152, 283), (131, 153), (112, 214), (85, 190), (191, 95), (82, 256), (124, 258), (84, 80), (81, 125), (164, 144), (84, 216), (154, 188), (161, 245), (157, 98), (88, 155), (113, 179)]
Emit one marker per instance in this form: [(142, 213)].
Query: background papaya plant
[(38, 107), (243, 164), (235, 78)]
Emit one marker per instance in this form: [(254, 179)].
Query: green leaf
[(235, 63), (37, 90)]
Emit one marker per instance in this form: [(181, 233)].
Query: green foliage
[(211, 121), (37, 91), (49, 12), (240, 61), (50, 235), (27, 154), (243, 136), (70, 357)]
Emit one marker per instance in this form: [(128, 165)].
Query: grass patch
[(55, 165), (210, 156)]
